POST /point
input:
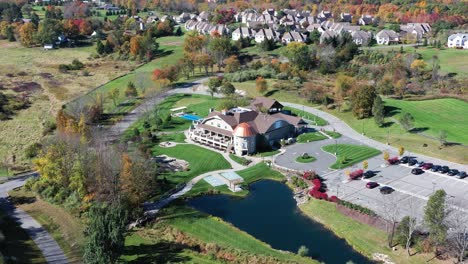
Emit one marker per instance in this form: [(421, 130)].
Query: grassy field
[(363, 238), (252, 174), (201, 160), (397, 136), (436, 115), (66, 229), (196, 104), (348, 154), (215, 231), (315, 120), (333, 134), (170, 51), (309, 137), (21, 66), (15, 244), (280, 95), (240, 160), (305, 160)]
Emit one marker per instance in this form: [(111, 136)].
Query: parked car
[(386, 190), (444, 169), (371, 185), (452, 172), (405, 159), (393, 161), (417, 171), (435, 168), (412, 162), (421, 163), (427, 166), (461, 175), (356, 174), (368, 174)]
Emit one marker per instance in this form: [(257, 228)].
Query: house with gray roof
[(327, 34), (313, 27), (365, 20), (346, 17), (361, 37), (293, 36), (387, 37), (242, 32), (266, 33)]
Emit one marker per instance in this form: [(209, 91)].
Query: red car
[(427, 166), (371, 185), (356, 174), (393, 161)]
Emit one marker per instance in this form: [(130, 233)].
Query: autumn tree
[(343, 84), (27, 34), (232, 64), (386, 155), (220, 48), (135, 45), (418, 66), (362, 100), (261, 85), (401, 150), (378, 111), (114, 95)]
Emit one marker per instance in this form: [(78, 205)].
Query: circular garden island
[(305, 158)]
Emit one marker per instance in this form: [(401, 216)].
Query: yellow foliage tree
[(27, 32), (386, 155), (401, 150)]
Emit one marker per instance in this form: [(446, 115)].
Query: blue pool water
[(190, 117)]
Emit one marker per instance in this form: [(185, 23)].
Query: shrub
[(333, 199), (33, 150), (357, 207), (309, 175), (303, 251)]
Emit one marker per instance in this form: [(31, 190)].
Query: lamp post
[(336, 147)]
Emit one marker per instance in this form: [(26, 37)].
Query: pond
[(269, 213)]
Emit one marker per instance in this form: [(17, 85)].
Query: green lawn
[(254, 50), (348, 154), (436, 115), (240, 160), (15, 243), (201, 160), (451, 60), (267, 153), (315, 120), (363, 238), (305, 160), (213, 230), (333, 134), (260, 171), (309, 137)]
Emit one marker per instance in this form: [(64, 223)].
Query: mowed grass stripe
[(348, 154), (436, 115)]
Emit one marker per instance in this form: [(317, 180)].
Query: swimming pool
[(190, 117)]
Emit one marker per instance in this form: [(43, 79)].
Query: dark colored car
[(461, 175), (404, 159), (444, 169), (412, 162), (427, 166), (386, 190), (371, 185), (417, 171), (368, 174), (435, 168), (452, 172), (421, 163)]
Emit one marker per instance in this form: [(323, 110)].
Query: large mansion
[(242, 129)]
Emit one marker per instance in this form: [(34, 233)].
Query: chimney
[(224, 111), (211, 110)]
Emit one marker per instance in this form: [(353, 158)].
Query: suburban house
[(203, 16), (343, 27), (182, 18), (386, 37), (242, 32), (418, 30), (220, 29), (324, 15), (327, 34), (266, 33), (458, 40), (366, 20), (317, 27), (242, 130), (309, 20), (346, 17), (361, 37), (293, 36)]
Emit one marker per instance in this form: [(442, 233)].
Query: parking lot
[(411, 191)]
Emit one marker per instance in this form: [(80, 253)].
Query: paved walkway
[(49, 247), (343, 128)]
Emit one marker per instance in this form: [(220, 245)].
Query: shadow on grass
[(418, 130), (391, 110), (387, 124), (270, 93), (163, 54), (161, 252)]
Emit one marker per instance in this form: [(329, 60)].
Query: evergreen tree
[(131, 90), (10, 35), (105, 234), (435, 217), (378, 111), (35, 19), (407, 121), (100, 48)]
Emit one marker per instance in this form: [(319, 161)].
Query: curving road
[(44, 241)]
